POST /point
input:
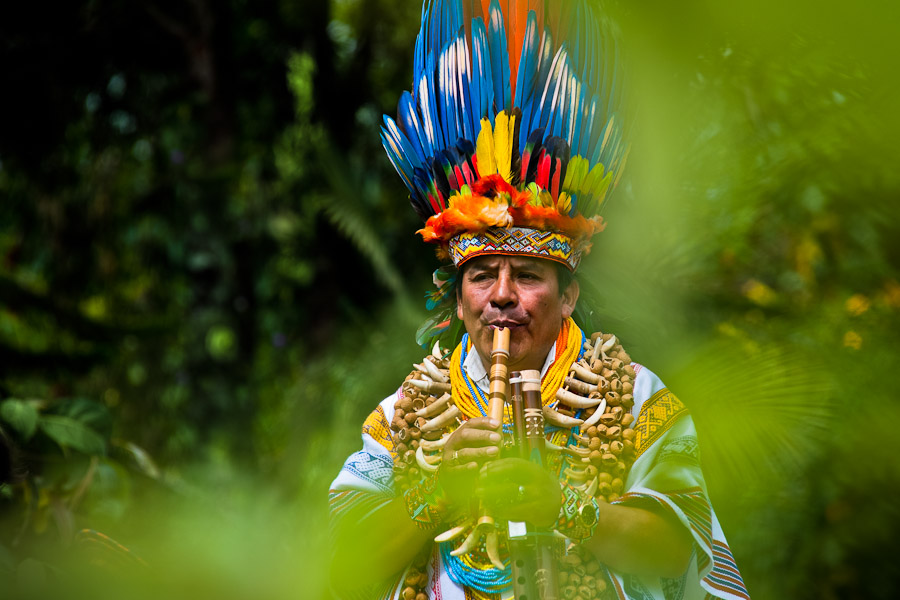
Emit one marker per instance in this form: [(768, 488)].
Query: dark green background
[(208, 277)]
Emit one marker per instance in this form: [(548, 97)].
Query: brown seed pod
[(401, 448), (617, 411), (399, 413), (403, 436), (627, 419), (620, 468), (414, 444), (629, 370), (608, 419), (604, 489), (410, 418), (595, 335), (613, 432), (595, 456), (592, 567), (405, 404), (603, 385), (604, 448), (607, 373), (627, 387), (616, 447), (594, 444), (628, 434), (624, 357), (601, 429), (415, 432), (585, 592), (609, 460), (596, 365), (592, 431), (604, 477), (615, 386), (418, 404), (421, 596), (588, 580), (617, 485), (629, 445), (613, 399), (616, 365), (600, 585), (569, 592), (408, 593), (590, 471)]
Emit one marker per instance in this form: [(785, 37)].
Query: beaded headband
[(511, 124), (515, 241)]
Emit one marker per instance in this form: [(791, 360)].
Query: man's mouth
[(505, 324)]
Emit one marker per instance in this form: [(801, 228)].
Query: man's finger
[(479, 437)]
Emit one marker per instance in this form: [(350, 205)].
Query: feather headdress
[(511, 127)]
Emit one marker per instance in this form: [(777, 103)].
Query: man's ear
[(570, 298)]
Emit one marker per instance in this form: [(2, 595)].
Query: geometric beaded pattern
[(376, 469), (657, 416), (376, 425), (515, 241)]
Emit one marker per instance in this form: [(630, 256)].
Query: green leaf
[(70, 433), (21, 414), (141, 457)]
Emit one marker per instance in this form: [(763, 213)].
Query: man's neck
[(477, 368)]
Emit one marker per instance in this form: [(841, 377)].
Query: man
[(623, 484)]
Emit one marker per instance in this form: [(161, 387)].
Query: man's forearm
[(371, 548), (640, 542)]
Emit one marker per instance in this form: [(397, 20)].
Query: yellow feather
[(502, 149), (601, 189), (593, 177), (575, 174), (484, 150)]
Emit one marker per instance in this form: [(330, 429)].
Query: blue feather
[(531, 113), (462, 63), (499, 58), (402, 143), (526, 80), (408, 120), (527, 62), (587, 129), (481, 67)]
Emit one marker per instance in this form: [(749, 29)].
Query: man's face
[(521, 293)]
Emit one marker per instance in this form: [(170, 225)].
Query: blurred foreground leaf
[(69, 433), (21, 414)]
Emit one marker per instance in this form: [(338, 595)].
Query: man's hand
[(513, 489), (472, 445)]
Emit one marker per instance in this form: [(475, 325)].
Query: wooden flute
[(534, 568)]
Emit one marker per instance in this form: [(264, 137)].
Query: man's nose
[(504, 292)]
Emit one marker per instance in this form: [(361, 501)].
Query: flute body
[(534, 566)]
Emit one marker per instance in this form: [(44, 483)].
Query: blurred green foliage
[(208, 278)]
